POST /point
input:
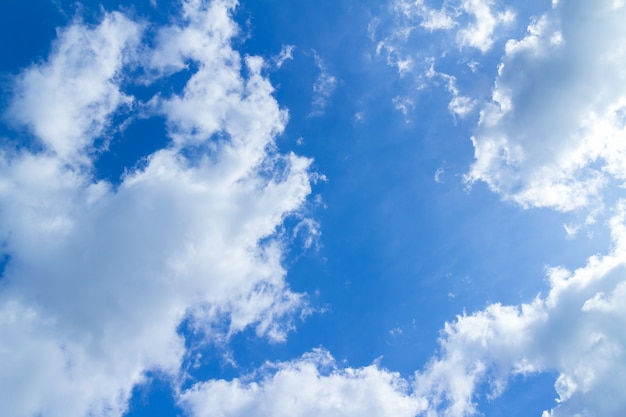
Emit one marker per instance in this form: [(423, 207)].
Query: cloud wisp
[(550, 131), (473, 22), (323, 88)]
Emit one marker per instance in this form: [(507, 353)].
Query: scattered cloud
[(310, 386), (486, 19), (427, 17), (474, 22), (571, 230), (405, 105), (372, 26), (323, 88), (100, 275), (456, 26), (459, 105), (286, 54), (552, 135), (550, 132), (439, 174), (573, 332)]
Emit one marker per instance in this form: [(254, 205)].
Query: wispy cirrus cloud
[(286, 54), (571, 331), (323, 88)]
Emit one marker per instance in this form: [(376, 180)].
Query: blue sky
[(331, 208)]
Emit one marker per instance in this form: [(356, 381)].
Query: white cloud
[(439, 173), (101, 276), (575, 331), (310, 386), (430, 19), (455, 26), (67, 100), (323, 88), (405, 105), (286, 53), (474, 21), (480, 33), (552, 135), (459, 105), (571, 230)]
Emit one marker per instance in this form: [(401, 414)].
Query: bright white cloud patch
[(286, 54), (474, 22), (458, 27), (66, 102), (553, 133), (101, 276), (308, 387), (485, 20), (575, 331)]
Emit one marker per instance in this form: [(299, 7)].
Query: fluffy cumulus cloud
[(551, 130), (100, 275), (553, 133), (307, 387), (66, 102), (574, 331)]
